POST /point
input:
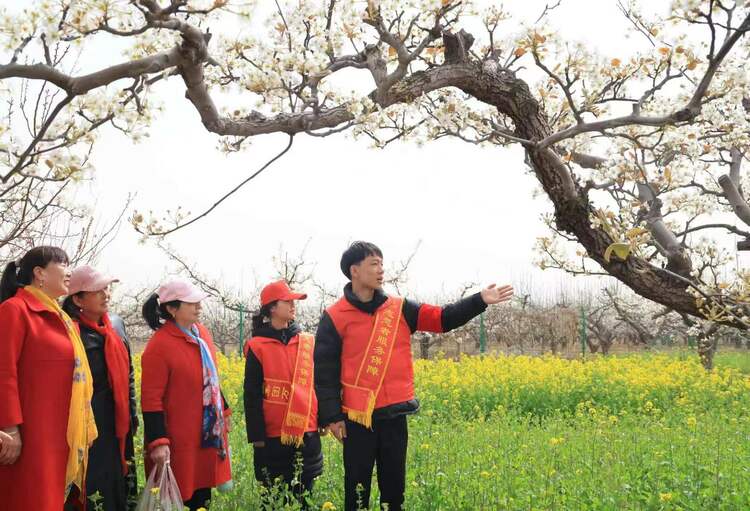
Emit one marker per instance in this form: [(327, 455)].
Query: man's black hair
[(356, 253)]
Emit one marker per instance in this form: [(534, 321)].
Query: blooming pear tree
[(640, 154)]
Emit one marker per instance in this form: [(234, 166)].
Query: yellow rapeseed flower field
[(652, 432), (476, 386)]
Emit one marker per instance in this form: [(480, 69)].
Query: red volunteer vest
[(355, 329), (279, 361)]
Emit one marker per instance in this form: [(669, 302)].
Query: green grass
[(739, 360), (643, 432), (583, 463)]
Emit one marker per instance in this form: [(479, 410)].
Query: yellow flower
[(425, 446), (665, 497), (154, 491), (328, 506), (691, 422), (556, 441)]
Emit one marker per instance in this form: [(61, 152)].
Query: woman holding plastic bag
[(161, 492), (185, 416)]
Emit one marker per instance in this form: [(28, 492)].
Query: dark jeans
[(201, 498), (385, 445)]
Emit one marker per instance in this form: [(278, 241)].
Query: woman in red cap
[(46, 422), (110, 478), (185, 416), (280, 405)]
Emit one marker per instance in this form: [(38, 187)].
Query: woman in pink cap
[(281, 408), (110, 478), (185, 416)]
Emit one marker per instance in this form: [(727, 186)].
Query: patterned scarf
[(81, 431), (118, 374), (212, 427)]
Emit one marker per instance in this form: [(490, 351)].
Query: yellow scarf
[(81, 425)]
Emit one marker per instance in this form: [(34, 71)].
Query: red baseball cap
[(279, 290)]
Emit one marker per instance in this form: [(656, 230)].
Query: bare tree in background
[(127, 304), (82, 233)]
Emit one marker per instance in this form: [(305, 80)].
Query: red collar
[(171, 328), (32, 302)]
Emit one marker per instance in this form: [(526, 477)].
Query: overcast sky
[(471, 208)]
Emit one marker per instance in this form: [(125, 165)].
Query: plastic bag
[(161, 492)]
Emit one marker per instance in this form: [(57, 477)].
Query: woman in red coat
[(45, 388), (185, 417)]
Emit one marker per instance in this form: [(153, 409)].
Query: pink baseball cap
[(182, 290), (88, 278)]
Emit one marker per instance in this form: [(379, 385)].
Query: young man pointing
[(364, 377)]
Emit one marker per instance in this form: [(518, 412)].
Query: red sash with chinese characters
[(359, 398), (301, 394)]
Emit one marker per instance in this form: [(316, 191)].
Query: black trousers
[(385, 445), (200, 498), (276, 460)]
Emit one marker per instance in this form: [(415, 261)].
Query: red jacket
[(278, 361), (36, 368), (172, 383), (355, 328)]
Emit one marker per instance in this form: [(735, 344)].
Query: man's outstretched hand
[(493, 294)]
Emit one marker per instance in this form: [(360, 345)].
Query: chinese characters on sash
[(300, 402), (359, 398)]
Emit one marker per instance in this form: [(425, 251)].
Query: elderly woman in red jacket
[(111, 470), (185, 417), (45, 388)]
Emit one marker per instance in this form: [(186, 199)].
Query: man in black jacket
[(364, 374)]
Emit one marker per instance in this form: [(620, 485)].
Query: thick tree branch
[(76, 86), (730, 185), (672, 249)]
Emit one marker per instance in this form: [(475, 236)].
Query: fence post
[(584, 331), (242, 328), (482, 335)]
